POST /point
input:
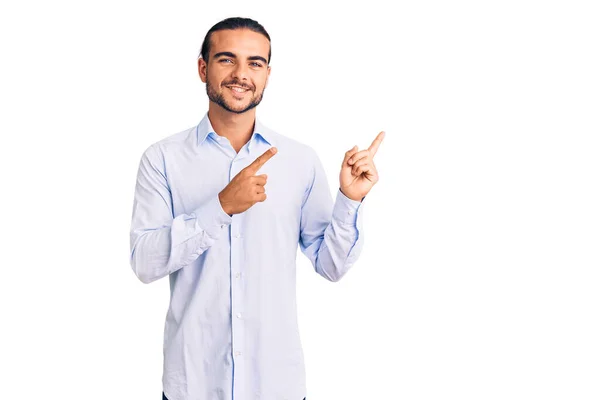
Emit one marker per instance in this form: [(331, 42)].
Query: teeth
[(237, 89)]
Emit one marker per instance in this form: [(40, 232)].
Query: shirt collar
[(205, 127)]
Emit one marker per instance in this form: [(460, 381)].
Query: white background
[(479, 278)]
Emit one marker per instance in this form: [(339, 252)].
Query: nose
[(240, 72)]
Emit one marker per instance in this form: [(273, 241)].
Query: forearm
[(160, 251), (342, 240)]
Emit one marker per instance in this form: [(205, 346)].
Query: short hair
[(232, 24)]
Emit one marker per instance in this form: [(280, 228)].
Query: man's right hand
[(246, 188)]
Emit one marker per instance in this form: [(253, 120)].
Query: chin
[(237, 106)]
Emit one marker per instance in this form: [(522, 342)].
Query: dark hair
[(233, 23)]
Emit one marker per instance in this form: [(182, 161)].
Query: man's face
[(237, 72)]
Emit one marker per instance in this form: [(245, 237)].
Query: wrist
[(224, 206), (350, 197)]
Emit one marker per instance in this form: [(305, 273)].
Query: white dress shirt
[(231, 329)]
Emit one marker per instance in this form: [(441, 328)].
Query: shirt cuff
[(211, 218), (345, 209)]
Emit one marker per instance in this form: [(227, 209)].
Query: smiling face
[(237, 73)]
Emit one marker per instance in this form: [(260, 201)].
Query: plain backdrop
[(479, 277)]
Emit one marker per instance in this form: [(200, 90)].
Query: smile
[(238, 89)]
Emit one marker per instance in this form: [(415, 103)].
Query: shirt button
[(239, 315), (237, 235), (238, 353), (237, 274), (222, 226), (349, 212)]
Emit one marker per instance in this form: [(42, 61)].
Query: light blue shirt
[(231, 330)]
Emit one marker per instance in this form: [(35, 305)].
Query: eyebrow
[(230, 54)]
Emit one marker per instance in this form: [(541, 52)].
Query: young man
[(220, 208)]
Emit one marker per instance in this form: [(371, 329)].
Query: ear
[(202, 69)]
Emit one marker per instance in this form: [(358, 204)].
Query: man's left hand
[(358, 174)]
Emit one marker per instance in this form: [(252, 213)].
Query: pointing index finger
[(375, 145), (261, 160)]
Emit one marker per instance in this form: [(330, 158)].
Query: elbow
[(144, 277), (337, 277), (333, 274), (144, 274), (331, 268), (144, 265), (334, 265), (334, 278)]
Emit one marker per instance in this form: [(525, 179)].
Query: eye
[(257, 64), (224, 59)]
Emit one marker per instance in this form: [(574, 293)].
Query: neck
[(237, 128)]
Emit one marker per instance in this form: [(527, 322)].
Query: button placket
[(237, 300)]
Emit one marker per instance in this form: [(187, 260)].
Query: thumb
[(349, 154)]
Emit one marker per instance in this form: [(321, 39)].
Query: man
[(227, 236)]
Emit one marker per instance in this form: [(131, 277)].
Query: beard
[(218, 98)]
